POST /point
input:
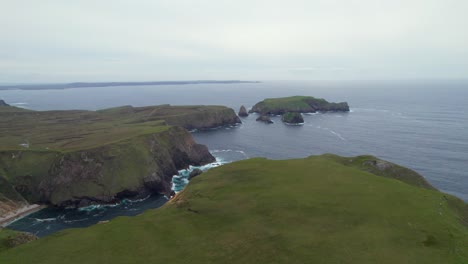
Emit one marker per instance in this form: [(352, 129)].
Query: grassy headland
[(72, 157), (322, 209)]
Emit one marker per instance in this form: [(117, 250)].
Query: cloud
[(54, 40)]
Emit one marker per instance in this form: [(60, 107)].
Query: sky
[(151, 40)]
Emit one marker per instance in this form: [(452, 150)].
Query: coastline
[(20, 213)]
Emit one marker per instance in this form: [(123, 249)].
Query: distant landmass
[(109, 84)]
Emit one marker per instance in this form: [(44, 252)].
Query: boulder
[(195, 173)]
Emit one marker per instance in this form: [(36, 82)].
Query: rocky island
[(300, 104), (76, 158), (320, 209)]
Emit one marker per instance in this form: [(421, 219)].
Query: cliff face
[(10, 199), (137, 166), (79, 157)]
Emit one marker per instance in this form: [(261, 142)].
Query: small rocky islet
[(290, 108)]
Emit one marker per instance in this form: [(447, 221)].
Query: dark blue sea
[(422, 125)]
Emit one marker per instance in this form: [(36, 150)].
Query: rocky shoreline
[(19, 213)]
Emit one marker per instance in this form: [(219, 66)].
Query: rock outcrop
[(243, 112), (300, 104), (2, 103), (265, 119), (292, 118), (194, 173), (19, 238)]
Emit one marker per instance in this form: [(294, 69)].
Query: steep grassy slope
[(301, 104), (78, 129), (313, 210)]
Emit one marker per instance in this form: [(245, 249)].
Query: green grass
[(79, 129), (293, 103), (5, 235), (302, 104), (313, 210)]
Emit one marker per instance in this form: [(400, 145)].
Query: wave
[(338, 135), (294, 124), (73, 221), (45, 219)]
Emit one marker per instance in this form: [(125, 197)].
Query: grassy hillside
[(79, 129), (313, 210)]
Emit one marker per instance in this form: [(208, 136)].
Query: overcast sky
[(139, 40)]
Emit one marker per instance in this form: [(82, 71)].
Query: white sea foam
[(45, 219), (73, 221), (294, 124), (338, 135)]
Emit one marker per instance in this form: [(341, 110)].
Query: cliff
[(73, 158), (300, 104), (312, 210)]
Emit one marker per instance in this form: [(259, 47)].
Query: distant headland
[(110, 84)]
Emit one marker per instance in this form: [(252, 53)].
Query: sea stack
[(243, 112)]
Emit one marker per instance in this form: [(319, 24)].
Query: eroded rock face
[(106, 174), (265, 119), (195, 173), (243, 112)]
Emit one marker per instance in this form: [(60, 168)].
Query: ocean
[(422, 125)]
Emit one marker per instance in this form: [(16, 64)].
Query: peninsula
[(76, 158), (320, 209)]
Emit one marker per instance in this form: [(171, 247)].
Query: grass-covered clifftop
[(301, 104), (323, 209), (77, 157)]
